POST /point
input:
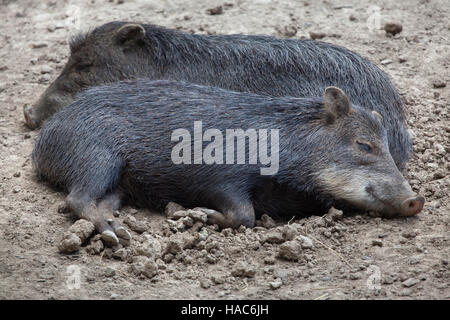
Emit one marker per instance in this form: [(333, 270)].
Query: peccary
[(133, 140), (260, 64)]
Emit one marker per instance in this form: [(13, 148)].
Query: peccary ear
[(130, 33), (335, 103)]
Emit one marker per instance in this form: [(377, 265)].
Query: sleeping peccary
[(151, 142), (245, 63)]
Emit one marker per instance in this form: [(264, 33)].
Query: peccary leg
[(85, 207), (234, 209), (94, 195), (101, 214), (106, 206)]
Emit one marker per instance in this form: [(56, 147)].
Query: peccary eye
[(364, 146), (83, 67)]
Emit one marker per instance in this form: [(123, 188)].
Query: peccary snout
[(412, 206), (28, 115)]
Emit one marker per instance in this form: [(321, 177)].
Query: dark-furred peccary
[(117, 142), (245, 63)]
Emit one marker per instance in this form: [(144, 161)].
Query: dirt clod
[(410, 282), (134, 224), (243, 269), (70, 244), (215, 11), (317, 35), (393, 28), (145, 266), (83, 229), (290, 250), (171, 208)]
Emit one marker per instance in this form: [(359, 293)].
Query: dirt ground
[(350, 257)]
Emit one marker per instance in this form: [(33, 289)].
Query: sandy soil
[(351, 257)]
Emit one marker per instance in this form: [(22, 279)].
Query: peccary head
[(106, 55), (351, 159)]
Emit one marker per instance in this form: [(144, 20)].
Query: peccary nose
[(412, 206), (27, 113)]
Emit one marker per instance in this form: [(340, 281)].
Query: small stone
[(198, 215), (171, 208), (352, 18), (289, 31), (393, 28), (135, 225), (202, 235), (121, 254), (306, 242), (51, 28), (269, 260), (215, 11), (46, 69), (290, 250), (386, 62), (405, 292), (110, 272), (178, 242), (388, 279), (218, 279), (335, 214), (402, 59), (167, 258), (438, 175), (273, 236), (243, 270), (211, 259), (38, 45), (289, 232), (355, 276), (16, 174), (377, 242), (267, 222), (176, 225), (145, 266), (205, 283), (96, 245), (410, 234), (241, 229), (174, 246), (71, 243), (277, 283), (439, 84), (410, 282), (63, 208), (44, 78), (187, 222), (317, 35), (16, 189)]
